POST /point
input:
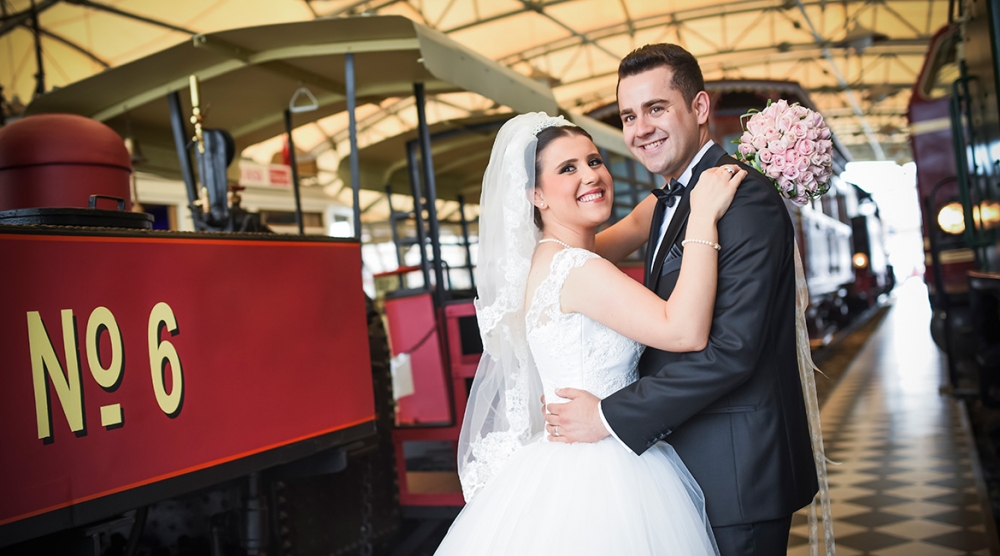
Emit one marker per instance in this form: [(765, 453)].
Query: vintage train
[(266, 421), (204, 445), (955, 136)]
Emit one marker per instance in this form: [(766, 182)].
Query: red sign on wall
[(126, 360)]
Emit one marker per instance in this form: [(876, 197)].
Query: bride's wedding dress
[(582, 499)]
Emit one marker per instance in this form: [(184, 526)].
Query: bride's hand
[(715, 190)]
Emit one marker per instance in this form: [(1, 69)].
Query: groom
[(734, 411)]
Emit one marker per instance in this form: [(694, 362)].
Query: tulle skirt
[(585, 499)]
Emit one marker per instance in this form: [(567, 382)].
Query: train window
[(943, 69), (735, 103), (617, 165)]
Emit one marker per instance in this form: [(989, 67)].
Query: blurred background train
[(955, 138), (351, 493)]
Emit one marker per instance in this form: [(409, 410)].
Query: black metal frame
[(295, 172), (418, 175)]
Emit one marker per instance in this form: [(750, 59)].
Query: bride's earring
[(539, 201)]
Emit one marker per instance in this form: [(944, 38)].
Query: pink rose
[(827, 159), (800, 130), (824, 133), (772, 171), (816, 170), (746, 149), (759, 141), (747, 137), (802, 199), (812, 134), (758, 123), (801, 112), (817, 120), (781, 105), (805, 147), (816, 158), (785, 122), (765, 156), (790, 172), (802, 163), (791, 157), (785, 184), (807, 178), (777, 146), (778, 161)]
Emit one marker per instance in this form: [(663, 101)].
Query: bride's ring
[(730, 170), (555, 430)]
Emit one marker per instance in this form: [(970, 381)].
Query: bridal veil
[(504, 410)]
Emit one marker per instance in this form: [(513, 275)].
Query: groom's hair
[(687, 74), (545, 137)]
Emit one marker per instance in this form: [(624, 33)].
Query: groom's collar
[(685, 178)]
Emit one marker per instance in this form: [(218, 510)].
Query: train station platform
[(908, 480)]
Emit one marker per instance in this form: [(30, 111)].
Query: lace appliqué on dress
[(544, 307)]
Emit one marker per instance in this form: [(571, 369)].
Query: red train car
[(954, 116), (143, 365)]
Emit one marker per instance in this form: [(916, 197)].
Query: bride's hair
[(545, 137)]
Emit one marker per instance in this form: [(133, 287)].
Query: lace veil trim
[(499, 418)]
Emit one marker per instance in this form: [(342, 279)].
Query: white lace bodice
[(572, 350)]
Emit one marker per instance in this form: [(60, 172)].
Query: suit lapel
[(711, 158), (654, 234), (670, 236)]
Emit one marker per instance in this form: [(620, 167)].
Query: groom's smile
[(650, 146)]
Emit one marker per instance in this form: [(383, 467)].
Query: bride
[(553, 313)]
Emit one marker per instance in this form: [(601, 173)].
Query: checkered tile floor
[(905, 484)]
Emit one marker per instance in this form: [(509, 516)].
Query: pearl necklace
[(554, 240)]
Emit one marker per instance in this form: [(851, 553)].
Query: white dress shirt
[(667, 215)]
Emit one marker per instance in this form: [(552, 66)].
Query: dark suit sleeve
[(756, 239)]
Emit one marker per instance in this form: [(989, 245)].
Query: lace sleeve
[(545, 302)]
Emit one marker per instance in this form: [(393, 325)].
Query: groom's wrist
[(607, 427)]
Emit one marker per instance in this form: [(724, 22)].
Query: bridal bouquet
[(791, 145)]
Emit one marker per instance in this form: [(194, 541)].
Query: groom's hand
[(577, 420)]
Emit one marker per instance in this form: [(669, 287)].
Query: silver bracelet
[(711, 244)]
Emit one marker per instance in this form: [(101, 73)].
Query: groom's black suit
[(734, 411)]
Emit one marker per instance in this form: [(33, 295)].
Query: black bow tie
[(669, 194)]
